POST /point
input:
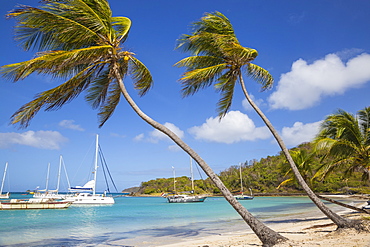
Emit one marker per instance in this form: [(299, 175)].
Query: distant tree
[(217, 56)]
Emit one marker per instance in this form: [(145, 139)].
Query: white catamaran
[(176, 198), (87, 194)]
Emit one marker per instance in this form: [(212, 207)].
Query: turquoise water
[(140, 221)]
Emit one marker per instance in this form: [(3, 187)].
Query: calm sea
[(141, 221)]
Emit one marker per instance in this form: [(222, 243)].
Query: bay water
[(142, 221)]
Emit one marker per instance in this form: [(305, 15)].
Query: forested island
[(270, 176)]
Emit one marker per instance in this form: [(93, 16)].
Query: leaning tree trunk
[(340, 221), (267, 236)]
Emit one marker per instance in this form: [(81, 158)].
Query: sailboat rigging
[(242, 196), (86, 194), (176, 198)]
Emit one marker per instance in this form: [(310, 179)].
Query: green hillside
[(264, 177)]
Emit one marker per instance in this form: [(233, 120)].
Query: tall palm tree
[(217, 56), (345, 138), (81, 42)]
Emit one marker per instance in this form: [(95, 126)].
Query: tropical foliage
[(264, 176), (345, 140)]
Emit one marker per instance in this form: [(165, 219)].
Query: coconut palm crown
[(217, 57), (86, 64)]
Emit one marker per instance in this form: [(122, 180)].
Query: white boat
[(176, 198), (87, 194), (52, 194), (242, 196), (4, 196), (34, 203)]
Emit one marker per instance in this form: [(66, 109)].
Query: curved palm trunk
[(267, 236), (341, 222)]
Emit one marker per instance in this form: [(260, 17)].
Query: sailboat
[(242, 196), (4, 196), (52, 194), (176, 198), (86, 194)]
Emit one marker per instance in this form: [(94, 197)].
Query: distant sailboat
[(242, 196), (185, 198), (87, 194), (52, 194), (4, 196)]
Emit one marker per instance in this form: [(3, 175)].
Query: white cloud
[(139, 137), (300, 133), (69, 124), (306, 84), (234, 127), (156, 135), (38, 139), (248, 107)]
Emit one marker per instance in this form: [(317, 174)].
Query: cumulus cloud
[(234, 127), (300, 133), (37, 139), (69, 124), (156, 135), (306, 84), (248, 107)]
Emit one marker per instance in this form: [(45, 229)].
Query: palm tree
[(80, 41), (304, 160), (217, 56), (345, 139)]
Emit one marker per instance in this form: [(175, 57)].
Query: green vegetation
[(265, 176)]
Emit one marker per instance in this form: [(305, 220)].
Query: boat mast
[(47, 179), (192, 175), (2, 183), (241, 179), (59, 170), (174, 180), (96, 161)]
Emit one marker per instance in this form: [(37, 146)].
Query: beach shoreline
[(306, 231)]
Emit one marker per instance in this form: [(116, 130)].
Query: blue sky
[(317, 51)]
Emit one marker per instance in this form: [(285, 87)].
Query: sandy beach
[(313, 231)]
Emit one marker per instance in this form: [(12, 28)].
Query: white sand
[(307, 233)]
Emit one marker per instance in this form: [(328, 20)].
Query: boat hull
[(33, 204), (87, 198), (244, 197), (185, 199)]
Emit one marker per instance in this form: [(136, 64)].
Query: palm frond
[(141, 76), (226, 85), (110, 103), (98, 89), (122, 25), (198, 62), (57, 63), (47, 29), (197, 79), (260, 75)]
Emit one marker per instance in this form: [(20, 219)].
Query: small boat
[(185, 198), (242, 196), (34, 203), (52, 194), (176, 198), (87, 194), (4, 196)]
